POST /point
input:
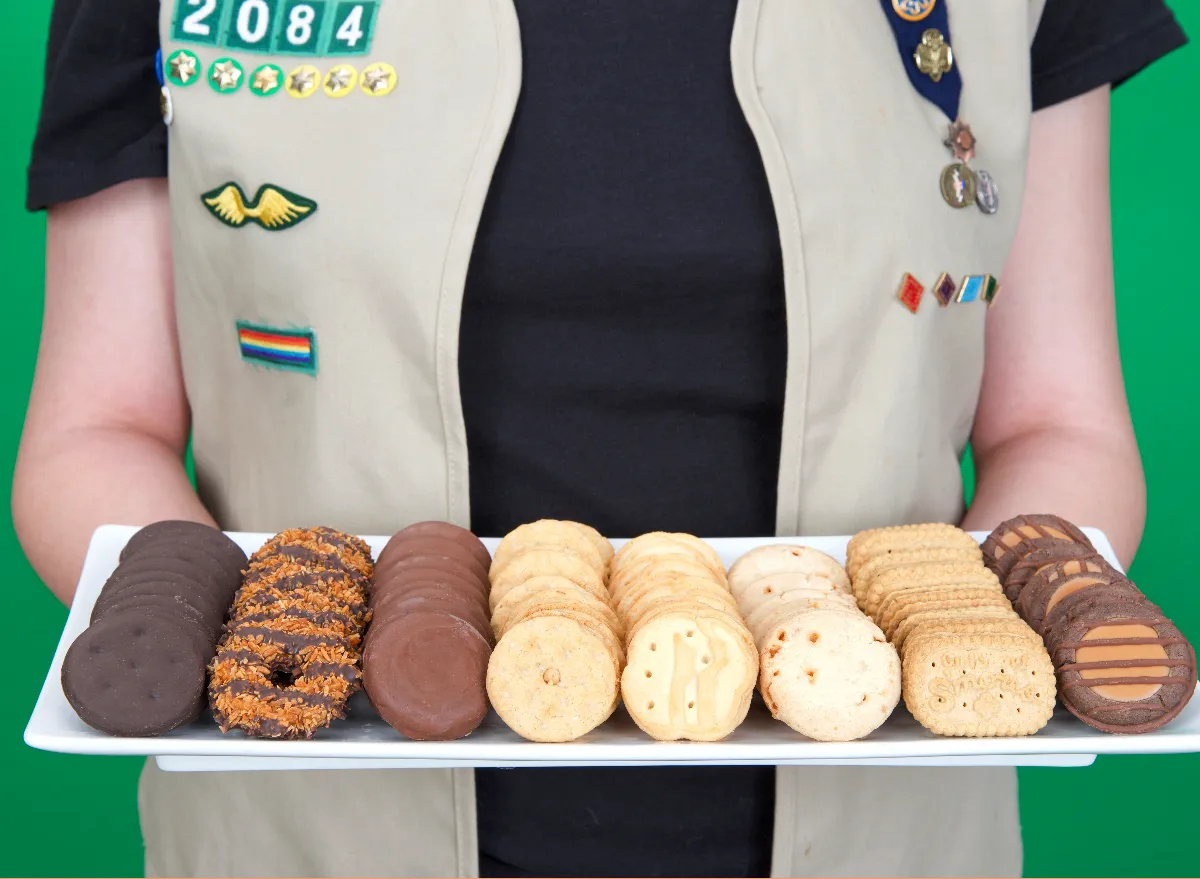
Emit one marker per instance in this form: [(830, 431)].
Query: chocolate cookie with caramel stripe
[(1124, 669), (1018, 537), (1057, 551), (1054, 583)]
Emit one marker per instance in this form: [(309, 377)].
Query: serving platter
[(364, 741)]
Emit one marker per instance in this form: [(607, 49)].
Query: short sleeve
[(100, 122), (1083, 44)]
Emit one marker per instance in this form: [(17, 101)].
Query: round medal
[(913, 10), (959, 186), (987, 195)]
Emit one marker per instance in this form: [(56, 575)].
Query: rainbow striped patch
[(282, 349)]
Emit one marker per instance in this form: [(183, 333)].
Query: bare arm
[(108, 420), (1053, 432)]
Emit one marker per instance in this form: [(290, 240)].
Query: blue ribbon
[(947, 91)]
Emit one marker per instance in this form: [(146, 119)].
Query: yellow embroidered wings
[(273, 207)]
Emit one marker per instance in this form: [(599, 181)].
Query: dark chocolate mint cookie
[(138, 673)]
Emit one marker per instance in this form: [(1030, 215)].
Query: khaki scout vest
[(879, 402)]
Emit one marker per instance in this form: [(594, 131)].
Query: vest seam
[(458, 504), (787, 212)]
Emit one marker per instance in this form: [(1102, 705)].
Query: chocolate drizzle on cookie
[(291, 655)]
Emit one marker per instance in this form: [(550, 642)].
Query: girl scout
[(322, 300)]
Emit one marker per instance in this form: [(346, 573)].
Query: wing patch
[(273, 207)]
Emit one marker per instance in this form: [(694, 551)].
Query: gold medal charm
[(959, 186), (934, 56)]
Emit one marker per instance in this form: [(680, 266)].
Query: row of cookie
[(427, 650), (826, 669), (691, 661), (970, 665), (555, 673), (139, 669), (291, 655), (1122, 666)]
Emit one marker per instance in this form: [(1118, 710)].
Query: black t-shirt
[(622, 342)]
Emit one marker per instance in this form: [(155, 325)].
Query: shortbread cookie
[(902, 559), (652, 568), (547, 534), (830, 676), (543, 563), (867, 545), (878, 582), (784, 558), (1018, 537), (548, 591), (914, 619), (690, 675), (979, 685), (552, 679), (644, 598), (968, 626), (900, 604)]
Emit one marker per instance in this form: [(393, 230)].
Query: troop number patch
[(281, 27)]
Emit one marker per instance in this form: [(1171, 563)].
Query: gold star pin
[(379, 79), (341, 81), (266, 80), (302, 82), (934, 56), (226, 75), (182, 67)]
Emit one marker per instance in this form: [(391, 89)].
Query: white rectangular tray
[(364, 741)]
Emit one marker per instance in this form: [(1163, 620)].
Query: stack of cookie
[(427, 651), (826, 670), (971, 666), (691, 663), (554, 674), (291, 654), (139, 668), (1121, 665)]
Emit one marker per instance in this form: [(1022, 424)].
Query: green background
[(1123, 816)]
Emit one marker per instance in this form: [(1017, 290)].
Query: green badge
[(300, 31), (251, 25), (273, 207), (226, 75), (182, 67), (198, 21), (266, 80), (353, 27)]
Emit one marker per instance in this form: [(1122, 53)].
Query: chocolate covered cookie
[(1124, 670), (1057, 551), (1018, 537), (139, 668), (1057, 581), (138, 673)]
